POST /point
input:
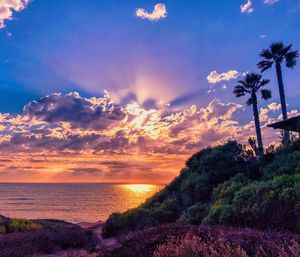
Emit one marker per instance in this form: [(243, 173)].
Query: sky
[(125, 91)]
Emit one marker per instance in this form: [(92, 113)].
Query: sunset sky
[(125, 90)]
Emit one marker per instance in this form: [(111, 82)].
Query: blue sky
[(62, 46)]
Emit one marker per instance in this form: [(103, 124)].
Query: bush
[(194, 214), (191, 245), (271, 204), (222, 197), (21, 225), (140, 218), (286, 161), (17, 225), (52, 236)]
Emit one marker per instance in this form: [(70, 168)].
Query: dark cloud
[(5, 160), (84, 171), (188, 98), (78, 111), (129, 97), (149, 104)]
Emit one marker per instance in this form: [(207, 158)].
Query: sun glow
[(140, 188)]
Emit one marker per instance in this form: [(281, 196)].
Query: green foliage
[(140, 218), (20, 225), (2, 229), (224, 185), (266, 204), (210, 167), (286, 161), (220, 211), (8, 225), (2, 225), (194, 214)]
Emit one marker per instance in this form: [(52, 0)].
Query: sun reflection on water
[(140, 188)]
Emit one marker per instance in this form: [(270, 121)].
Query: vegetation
[(278, 54), (40, 237), (252, 84), (17, 225), (179, 240), (224, 185)]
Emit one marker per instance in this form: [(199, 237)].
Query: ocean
[(71, 202)]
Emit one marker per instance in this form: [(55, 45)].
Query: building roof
[(291, 124)]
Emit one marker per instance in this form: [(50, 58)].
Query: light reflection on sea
[(71, 202)]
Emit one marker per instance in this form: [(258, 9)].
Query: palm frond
[(264, 65), (239, 91), (264, 82), (249, 101), (277, 48), (291, 59), (253, 81), (266, 94), (286, 49), (266, 54)]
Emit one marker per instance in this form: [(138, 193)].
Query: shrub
[(21, 225), (271, 204), (51, 237), (194, 214), (222, 197), (8, 225), (140, 218), (191, 245), (286, 161)]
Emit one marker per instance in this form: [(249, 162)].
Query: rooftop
[(291, 124)]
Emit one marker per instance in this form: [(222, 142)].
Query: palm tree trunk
[(257, 125), (282, 98)]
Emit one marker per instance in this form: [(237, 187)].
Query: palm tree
[(253, 84), (278, 54)]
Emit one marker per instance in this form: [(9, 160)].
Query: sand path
[(96, 228)]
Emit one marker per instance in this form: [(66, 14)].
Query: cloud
[(159, 12), (247, 7), (83, 171), (214, 77), (7, 7), (72, 124), (95, 113), (68, 137), (274, 107), (270, 2)]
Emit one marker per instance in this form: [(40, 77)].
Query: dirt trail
[(96, 228)]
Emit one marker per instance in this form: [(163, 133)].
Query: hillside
[(224, 185)]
